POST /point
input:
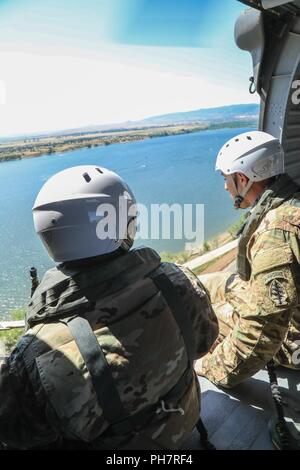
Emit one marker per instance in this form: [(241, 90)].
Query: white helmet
[(257, 155), (85, 211)]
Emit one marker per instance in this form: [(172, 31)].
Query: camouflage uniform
[(46, 392), (258, 308)]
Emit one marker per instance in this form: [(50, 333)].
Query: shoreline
[(32, 147), (218, 241)]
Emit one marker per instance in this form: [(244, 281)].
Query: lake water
[(175, 169)]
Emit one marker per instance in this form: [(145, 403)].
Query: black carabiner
[(252, 87)]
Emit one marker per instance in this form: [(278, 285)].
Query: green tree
[(11, 337)]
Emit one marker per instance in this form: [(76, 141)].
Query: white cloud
[(55, 92)]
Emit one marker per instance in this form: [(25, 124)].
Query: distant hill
[(222, 114), (206, 116)]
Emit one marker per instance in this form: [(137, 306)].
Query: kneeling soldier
[(258, 307)]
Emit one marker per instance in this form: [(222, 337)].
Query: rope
[(286, 439)]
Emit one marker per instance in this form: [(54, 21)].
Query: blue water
[(176, 169)]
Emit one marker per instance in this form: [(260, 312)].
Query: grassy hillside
[(36, 146)]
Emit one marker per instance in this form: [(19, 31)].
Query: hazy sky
[(70, 63)]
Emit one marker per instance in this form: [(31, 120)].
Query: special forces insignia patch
[(278, 293)]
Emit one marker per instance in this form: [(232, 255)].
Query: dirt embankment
[(221, 263)]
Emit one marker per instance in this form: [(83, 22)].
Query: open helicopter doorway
[(270, 30)]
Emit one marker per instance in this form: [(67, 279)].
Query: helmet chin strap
[(239, 197)]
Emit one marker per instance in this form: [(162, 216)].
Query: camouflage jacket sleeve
[(264, 320), (198, 307), (23, 420)]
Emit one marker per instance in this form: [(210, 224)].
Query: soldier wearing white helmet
[(248, 161), (258, 307), (105, 329)]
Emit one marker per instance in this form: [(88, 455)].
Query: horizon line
[(87, 126)]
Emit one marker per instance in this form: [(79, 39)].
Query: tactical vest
[(78, 371), (281, 193)]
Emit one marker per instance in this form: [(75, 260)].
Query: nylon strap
[(98, 368), (178, 309)]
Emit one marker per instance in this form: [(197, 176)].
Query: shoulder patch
[(278, 293), (275, 275)]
